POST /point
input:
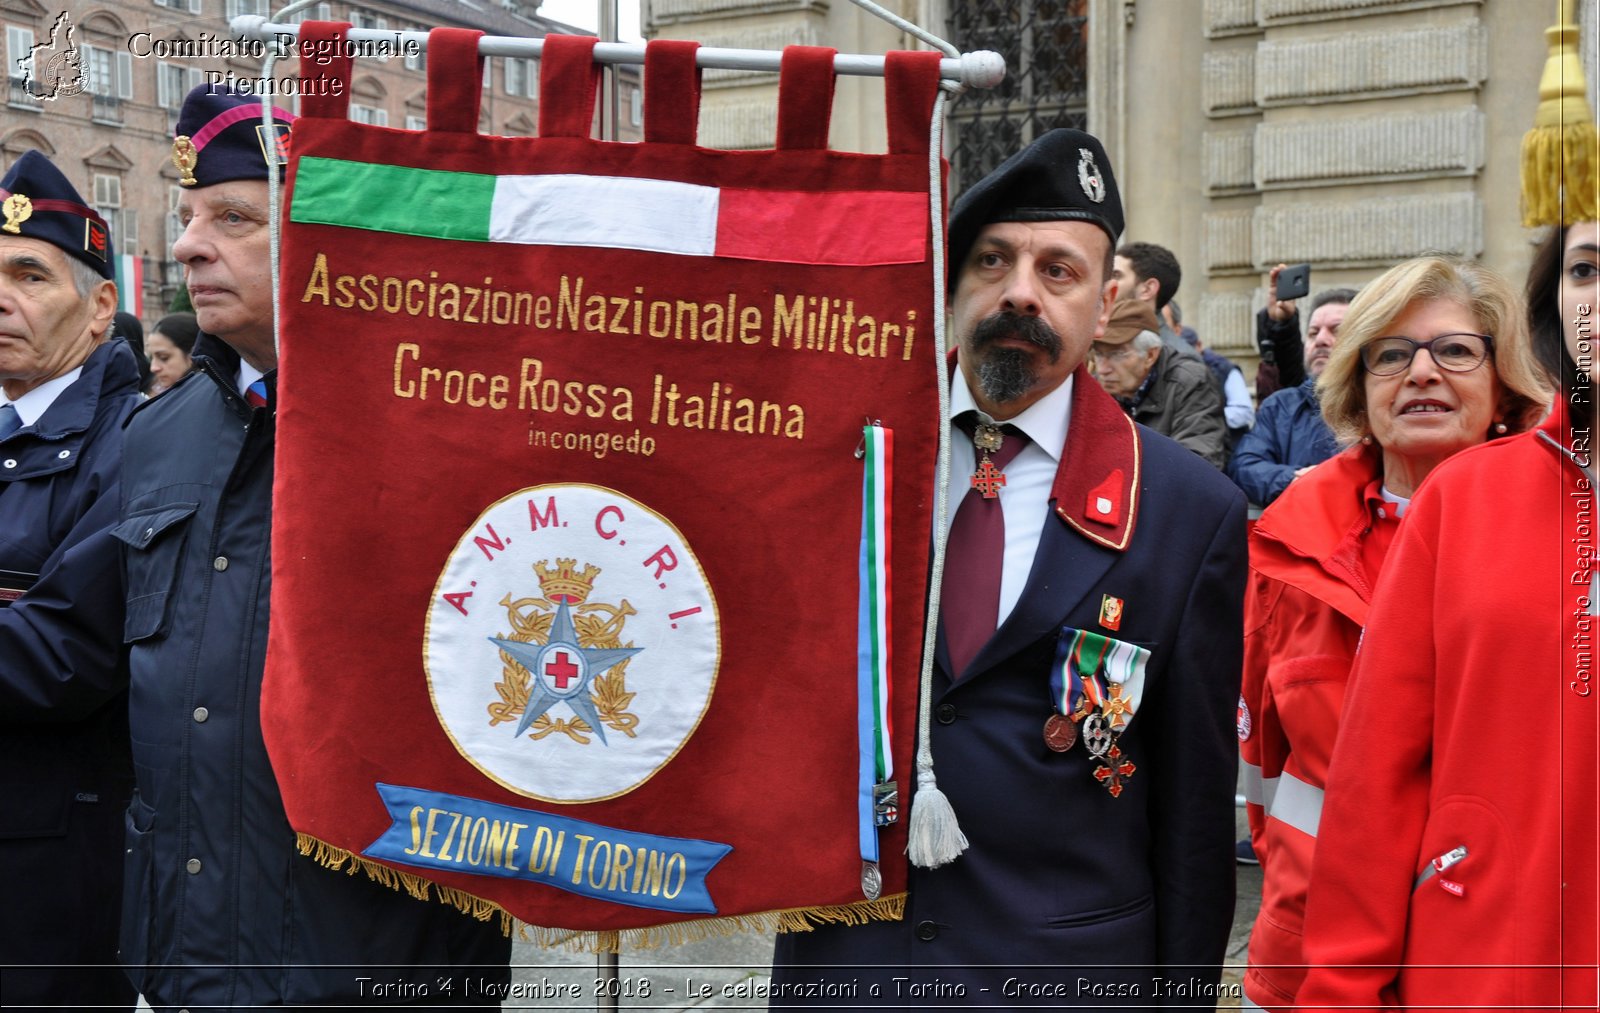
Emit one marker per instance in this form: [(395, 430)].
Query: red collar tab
[(1097, 485)]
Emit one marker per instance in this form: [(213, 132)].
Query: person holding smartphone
[(1289, 437)]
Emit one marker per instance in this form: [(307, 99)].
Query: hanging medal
[(1075, 691), (1096, 683), (987, 438)]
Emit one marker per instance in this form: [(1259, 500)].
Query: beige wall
[(1351, 133)]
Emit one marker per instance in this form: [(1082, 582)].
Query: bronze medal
[(1060, 733)]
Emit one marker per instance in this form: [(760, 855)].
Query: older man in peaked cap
[(64, 768), (1089, 649), (223, 910)]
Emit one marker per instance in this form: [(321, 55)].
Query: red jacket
[(1471, 723), (1312, 557)]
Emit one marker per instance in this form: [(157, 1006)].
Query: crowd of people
[(1396, 646)]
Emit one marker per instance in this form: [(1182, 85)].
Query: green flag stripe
[(361, 195)]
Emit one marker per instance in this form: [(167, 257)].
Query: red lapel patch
[(1097, 485)]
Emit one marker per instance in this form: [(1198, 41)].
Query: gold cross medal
[(988, 479)]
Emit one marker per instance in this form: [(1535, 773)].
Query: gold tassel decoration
[(890, 908), (1561, 154)]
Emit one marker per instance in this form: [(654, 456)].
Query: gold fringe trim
[(800, 919), (331, 857)]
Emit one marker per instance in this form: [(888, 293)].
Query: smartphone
[(1294, 282)]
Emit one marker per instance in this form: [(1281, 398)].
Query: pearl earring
[(1500, 428), (1367, 440)]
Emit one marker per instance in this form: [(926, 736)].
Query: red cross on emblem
[(988, 479), (1116, 769), (561, 670)]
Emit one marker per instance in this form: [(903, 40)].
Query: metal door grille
[(1044, 43)]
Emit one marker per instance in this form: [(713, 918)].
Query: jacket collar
[(1310, 537), (1096, 491), (109, 370)]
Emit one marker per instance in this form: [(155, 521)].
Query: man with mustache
[(1089, 652), (1289, 437)]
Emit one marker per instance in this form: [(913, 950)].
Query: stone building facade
[(1348, 133), (114, 138)]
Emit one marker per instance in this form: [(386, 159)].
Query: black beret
[(220, 137), (39, 203), (1063, 176)]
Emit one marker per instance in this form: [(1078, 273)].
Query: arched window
[(1045, 45)]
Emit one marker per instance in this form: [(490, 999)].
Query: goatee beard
[(1005, 374)]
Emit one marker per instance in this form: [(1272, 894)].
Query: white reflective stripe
[(1258, 789), (1298, 804)]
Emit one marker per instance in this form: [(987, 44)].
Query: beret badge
[(1089, 179)]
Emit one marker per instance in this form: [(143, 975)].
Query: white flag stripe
[(607, 211)]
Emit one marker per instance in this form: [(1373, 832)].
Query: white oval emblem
[(572, 643), (1242, 720), (1089, 180)]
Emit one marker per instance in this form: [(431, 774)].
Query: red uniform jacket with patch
[(1306, 603), (1469, 731)]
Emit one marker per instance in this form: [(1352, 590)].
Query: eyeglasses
[(1454, 353)]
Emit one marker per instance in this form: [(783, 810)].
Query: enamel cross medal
[(987, 479)]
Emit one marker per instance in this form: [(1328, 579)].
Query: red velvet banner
[(568, 515)]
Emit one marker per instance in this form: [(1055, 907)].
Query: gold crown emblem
[(563, 582)]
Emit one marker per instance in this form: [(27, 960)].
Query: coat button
[(946, 713), (220, 563), (200, 714), (927, 931), (149, 533), (11, 462), (193, 865), (64, 455)]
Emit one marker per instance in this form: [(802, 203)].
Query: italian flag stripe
[(876, 763), (850, 228)]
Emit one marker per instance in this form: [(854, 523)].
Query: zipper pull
[(1444, 862)]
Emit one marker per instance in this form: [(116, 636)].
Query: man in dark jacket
[(223, 910), (1100, 866), (1289, 437), (1176, 396), (64, 770)]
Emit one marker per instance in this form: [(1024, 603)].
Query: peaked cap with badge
[(1063, 176), (39, 203), (220, 137)]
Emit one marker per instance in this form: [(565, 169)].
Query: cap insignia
[(18, 209), (185, 157), (1089, 179)]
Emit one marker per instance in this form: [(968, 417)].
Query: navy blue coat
[(64, 770), (1288, 435), (217, 891), (1059, 872)]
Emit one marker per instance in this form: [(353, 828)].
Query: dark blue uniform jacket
[(64, 768), (1068, 896), (222, 910)]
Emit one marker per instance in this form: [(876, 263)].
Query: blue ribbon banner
[(432, 830)]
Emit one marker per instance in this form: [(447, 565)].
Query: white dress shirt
[(38, 400), (248, 374), (1025, 499)]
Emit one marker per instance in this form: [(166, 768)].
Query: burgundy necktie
[(974, 555)]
